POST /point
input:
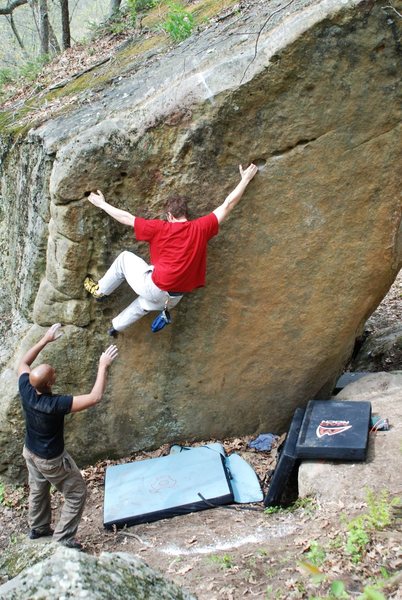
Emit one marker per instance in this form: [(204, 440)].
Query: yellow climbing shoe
[(92, 287)]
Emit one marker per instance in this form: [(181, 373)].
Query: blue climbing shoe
[(161, 321)]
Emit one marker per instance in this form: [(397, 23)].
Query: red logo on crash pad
[(332, 428)]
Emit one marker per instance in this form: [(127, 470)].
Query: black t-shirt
[(44, 418)]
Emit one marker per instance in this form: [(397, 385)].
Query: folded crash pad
[(244, 481)]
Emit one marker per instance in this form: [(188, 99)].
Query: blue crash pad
[(244, 481), (148, 490), (188, 480), (245, 485)]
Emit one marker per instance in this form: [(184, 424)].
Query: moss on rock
[(49, 570)]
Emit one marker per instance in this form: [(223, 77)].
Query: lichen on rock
[(56, 571)]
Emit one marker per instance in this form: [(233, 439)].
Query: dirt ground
[(236, 552), (244, 551)]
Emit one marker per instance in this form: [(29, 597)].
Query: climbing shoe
[(161, 321), (35, 534), (92, 287), (113, 332)]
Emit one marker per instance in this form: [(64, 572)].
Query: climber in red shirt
[(178, 249)]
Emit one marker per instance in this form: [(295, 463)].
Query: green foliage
[(31, 69), (336, 543), (309, 504), (123, 20), (114, 25), (6, 76), (359, 533), (337, 589), (117, 27), (316, 554), (273, 510), (225, 561), (1, 492), (357, 538), (136, 6), (379, 510), (26, 72), (139, 6), (271, 594), (370, 593), (179, 23), (359, 528)]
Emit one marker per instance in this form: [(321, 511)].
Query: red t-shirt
[(178, 250)]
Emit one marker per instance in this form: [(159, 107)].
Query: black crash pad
[(286, 463), (334, 430)]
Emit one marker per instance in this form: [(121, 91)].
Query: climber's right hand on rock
[(96, 199)]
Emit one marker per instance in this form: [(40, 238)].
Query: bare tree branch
[(394, 9), (10, 19), (34, 8), (11, 6)]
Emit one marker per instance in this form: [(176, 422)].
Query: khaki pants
[(64, 475)]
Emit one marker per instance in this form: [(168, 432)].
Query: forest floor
[(305, 551)]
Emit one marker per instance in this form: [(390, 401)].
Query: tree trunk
[(53, 42), (43, 27), (65, 24), (114, 8)]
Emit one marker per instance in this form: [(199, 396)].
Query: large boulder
[(66, 573), (310, 94), (348, 482)]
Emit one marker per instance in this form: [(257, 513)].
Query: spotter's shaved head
[(42, 378)]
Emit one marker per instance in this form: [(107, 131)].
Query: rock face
[(349, 482), (70, 574), (309, 253)]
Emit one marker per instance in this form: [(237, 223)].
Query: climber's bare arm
[(230, 201), (122, 216)]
